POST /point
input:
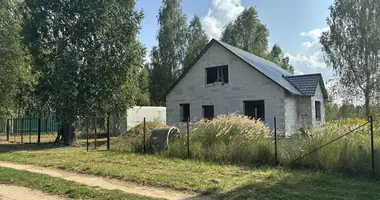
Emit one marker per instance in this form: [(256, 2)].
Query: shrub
[(132, 141)]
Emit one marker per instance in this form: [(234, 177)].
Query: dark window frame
[(221, 76), (257, 104), (185, 115), (318, 111), (206, 114)]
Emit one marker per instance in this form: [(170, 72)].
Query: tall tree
[(86, 54), (143, 96), (197, 40), (172, 45), (247, 33), (14, 68), (276, 55), (351, 46)]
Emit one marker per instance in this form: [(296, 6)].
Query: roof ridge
[(314, 74)]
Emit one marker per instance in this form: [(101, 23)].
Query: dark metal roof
[(265, 67), (307, 84), (269, 69)]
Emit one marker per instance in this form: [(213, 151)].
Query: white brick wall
[(291, 114), (318, 97), (244, 84)]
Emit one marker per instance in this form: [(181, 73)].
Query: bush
[(132, 141)]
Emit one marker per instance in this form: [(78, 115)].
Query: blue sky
[(293, 24)]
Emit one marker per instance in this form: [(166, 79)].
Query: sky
[(295, 25)]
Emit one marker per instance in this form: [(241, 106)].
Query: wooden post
[(108, 132)]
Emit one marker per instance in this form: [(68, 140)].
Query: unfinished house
[(224, 79)]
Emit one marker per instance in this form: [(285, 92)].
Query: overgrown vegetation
[(239, 140), (222, 181), (59, 186)]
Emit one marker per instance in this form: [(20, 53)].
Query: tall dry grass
[(227, 139), (236, 139)]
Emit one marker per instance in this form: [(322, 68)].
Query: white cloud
[(310, 60), (315, 33), (220, 13)]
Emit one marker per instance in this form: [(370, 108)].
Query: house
[(224, 79)]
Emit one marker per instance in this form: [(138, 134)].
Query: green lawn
[(223, 181), (59, 186)]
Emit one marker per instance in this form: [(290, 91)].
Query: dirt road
[(9, 192), (105, 183)]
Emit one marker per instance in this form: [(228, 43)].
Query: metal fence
[(29, 129)]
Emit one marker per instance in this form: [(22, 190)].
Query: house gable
[(265, 67), (244, 84)]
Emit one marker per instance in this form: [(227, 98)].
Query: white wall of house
[(318, 97), (245, 83), (291, 114)]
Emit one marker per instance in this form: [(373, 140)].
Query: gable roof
[(265, 67), (308, 83)]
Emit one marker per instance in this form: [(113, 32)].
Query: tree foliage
[(13, 59), (86, 55), (168, 57), (247, 33), (351, 46), (197, 40), (143, 96), (277, 56)]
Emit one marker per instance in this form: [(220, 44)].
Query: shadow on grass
[(11, 147), (307, 185)]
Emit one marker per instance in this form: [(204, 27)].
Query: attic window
[(217, 74)]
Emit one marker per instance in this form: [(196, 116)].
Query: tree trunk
[(68, 134)]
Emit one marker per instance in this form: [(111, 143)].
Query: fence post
[(372, 148), (108, 132), (275, 141), (144, 135), (7, 129), (87, 137), (30, 130), (188, 138), (96, 134), (39, 131), (16, 127), (22, 130)]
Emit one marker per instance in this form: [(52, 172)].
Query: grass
[(57, 186), (222, 181)]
